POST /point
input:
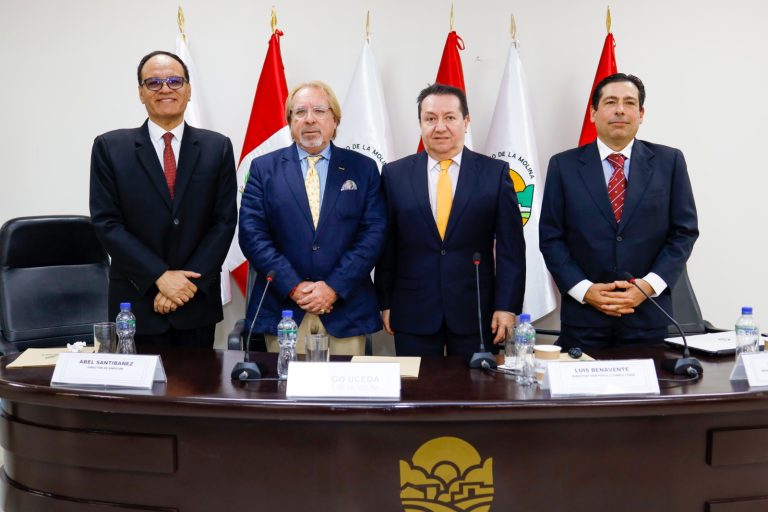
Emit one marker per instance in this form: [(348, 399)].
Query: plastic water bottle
[(286, 339), (126, 329), (525, 339), (747, 332)]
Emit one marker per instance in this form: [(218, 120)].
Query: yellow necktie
[(444, 198), (312, 184)]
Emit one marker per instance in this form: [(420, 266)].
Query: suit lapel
[(465, 187), (147, 156), (291, 171), (594, 180), (337, 172), (420, 186), (189, 154), (640, 171)]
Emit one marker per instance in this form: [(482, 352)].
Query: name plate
[(752, 367), (108, 370), (602, 378), (343, 381)]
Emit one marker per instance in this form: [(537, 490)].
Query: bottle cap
[(287, 313), (746, 310), (125, 305), (524, 318)]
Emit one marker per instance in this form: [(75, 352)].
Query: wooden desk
[(204, 443)]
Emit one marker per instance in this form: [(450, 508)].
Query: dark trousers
[(443, 342), (605, 337), (200, 337)]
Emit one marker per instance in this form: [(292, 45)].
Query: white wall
[(68, 74)]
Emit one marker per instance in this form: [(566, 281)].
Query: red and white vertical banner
[(606, 67), (267, 131), (512, 138)]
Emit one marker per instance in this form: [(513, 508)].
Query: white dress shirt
[(156, 133), (433, 174)]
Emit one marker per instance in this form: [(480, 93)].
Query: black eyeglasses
[(155, 84)]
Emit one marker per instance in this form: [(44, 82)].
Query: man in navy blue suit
[(444, 205), (616, 207), (163, 205), (314, 213)]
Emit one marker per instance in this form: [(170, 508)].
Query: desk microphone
[(248, 370), (685, 365), (480, 359)]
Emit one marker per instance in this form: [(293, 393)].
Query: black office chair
[(686, 311), (236, 340), (54, 276)]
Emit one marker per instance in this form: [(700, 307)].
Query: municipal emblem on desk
[(446, 474)]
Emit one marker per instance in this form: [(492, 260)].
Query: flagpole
[(513, 30), (273, 20), (180, 22)]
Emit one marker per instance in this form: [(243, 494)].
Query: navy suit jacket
[(145, 233), (580, 238), (424, 280), (277, 233)]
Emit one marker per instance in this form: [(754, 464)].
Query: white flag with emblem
[(511, 138), (365, 123)]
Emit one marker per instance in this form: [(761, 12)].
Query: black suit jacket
[(146, 233), (580, 238), (424, 279)]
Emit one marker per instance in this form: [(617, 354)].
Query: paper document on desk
[(409, 366), (35, 357), (713, 343)]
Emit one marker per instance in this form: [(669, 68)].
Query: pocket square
[(349, 185)]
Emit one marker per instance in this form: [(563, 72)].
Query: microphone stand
[(482, 358), (248, 370), (685, 365)]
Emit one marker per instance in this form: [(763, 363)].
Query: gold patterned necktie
[(444, 197), (312, 184)]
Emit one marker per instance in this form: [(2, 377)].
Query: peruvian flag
[(450, 72), (606, 67), (267, 131)]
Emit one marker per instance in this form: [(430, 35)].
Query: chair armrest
[(548, 332), (711, 328), (7, 348), (235, 337)]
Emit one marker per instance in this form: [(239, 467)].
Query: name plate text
[(343, 381)]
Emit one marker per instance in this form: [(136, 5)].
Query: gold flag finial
[(608, 20), (273, 21), (451, 16), (368, 27), (513, 29), (180, 22)]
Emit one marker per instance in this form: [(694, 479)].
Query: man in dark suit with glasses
[(163, 203)]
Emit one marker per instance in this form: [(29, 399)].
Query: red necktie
[(617, 185), (169, 162)]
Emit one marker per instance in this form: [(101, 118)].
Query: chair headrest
[(49, 240)]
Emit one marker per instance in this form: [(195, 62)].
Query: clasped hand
[(617, 298), (314, 297), (175, 290)]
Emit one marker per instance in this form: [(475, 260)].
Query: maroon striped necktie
[(617, 185), (169, 162)]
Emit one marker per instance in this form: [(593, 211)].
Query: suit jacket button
[(315, 247), (443, 252), (619, 239), (175, 222)]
